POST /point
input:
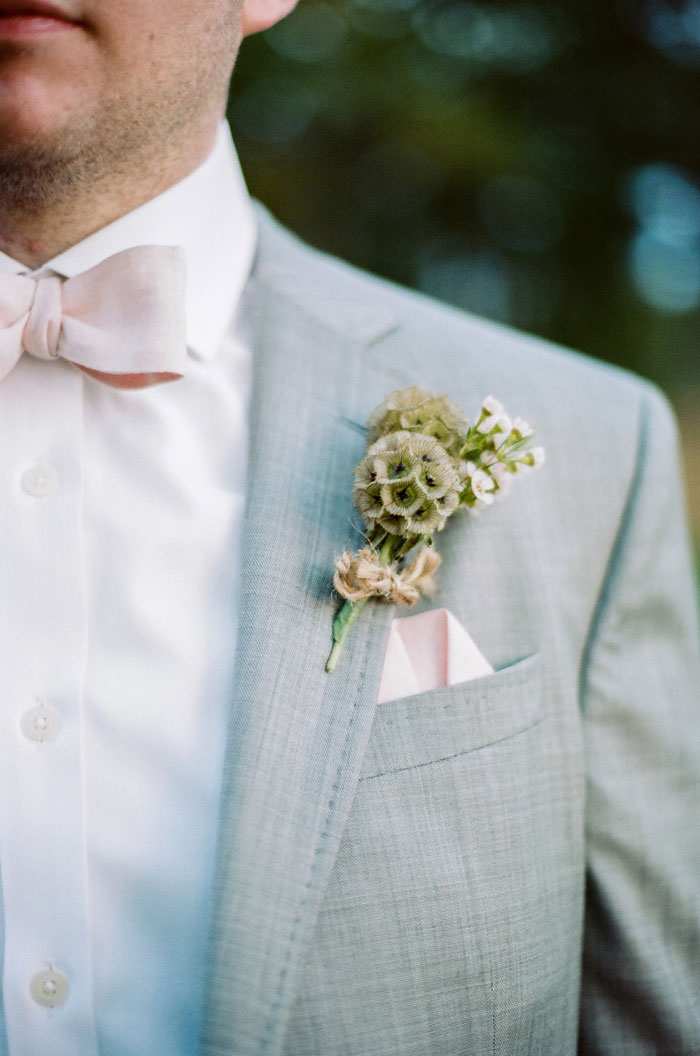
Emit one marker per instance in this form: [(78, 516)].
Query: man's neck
[(34, 231)]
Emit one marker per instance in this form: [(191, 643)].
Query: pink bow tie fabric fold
[(122, 321)]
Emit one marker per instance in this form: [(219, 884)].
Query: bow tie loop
[(122, 322), (43, 326)]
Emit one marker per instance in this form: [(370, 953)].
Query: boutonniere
[(423, 463)]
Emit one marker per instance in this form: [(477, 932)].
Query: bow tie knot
[(123, 321), (43, 326)]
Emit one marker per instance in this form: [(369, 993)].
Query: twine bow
[(361, 575)]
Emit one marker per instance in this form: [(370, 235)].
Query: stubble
[(114, 154)]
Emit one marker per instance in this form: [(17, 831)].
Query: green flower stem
[(350, 610), (342, 624)]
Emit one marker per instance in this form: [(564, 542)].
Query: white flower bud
[(492, 406), (504, 427), (483, 486), (523, 427)]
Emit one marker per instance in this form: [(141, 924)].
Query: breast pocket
[(448, 722)]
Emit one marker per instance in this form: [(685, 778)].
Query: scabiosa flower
[(407, 484), (418, 411)]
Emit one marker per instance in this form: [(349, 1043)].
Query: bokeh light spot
[(477, 282), (667, 277), (666, 203), (514, 39), (675, 29)]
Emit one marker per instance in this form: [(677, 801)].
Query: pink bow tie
[(123, 321)]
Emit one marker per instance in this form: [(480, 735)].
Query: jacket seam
[(618, 548), (455, 755), (267, 1037)]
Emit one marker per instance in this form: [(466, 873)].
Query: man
[(504, 866)]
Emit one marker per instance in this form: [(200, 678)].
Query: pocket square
[(429, 651)]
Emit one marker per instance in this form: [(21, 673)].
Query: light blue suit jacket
[(500, 868)]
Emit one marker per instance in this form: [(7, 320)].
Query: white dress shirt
[(120, 535)]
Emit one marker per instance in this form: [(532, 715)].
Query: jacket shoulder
[(446, 349)]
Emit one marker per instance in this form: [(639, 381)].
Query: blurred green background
[(534, 162)]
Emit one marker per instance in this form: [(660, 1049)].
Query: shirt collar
[(210, 215)]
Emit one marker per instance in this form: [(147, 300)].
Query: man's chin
[(38, 146), (41, 90), (32, 116)]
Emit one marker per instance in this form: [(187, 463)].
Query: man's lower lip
[(14, 26)]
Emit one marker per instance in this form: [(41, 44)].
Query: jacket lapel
[(297, 734)]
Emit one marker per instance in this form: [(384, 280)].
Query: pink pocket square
[(426, 652)]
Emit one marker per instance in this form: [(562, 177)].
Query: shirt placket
[(47, 975)]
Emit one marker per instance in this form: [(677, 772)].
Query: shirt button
[(41, 723), (40, 481), (49, 988)]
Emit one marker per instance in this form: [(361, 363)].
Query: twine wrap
[(359, 576)]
